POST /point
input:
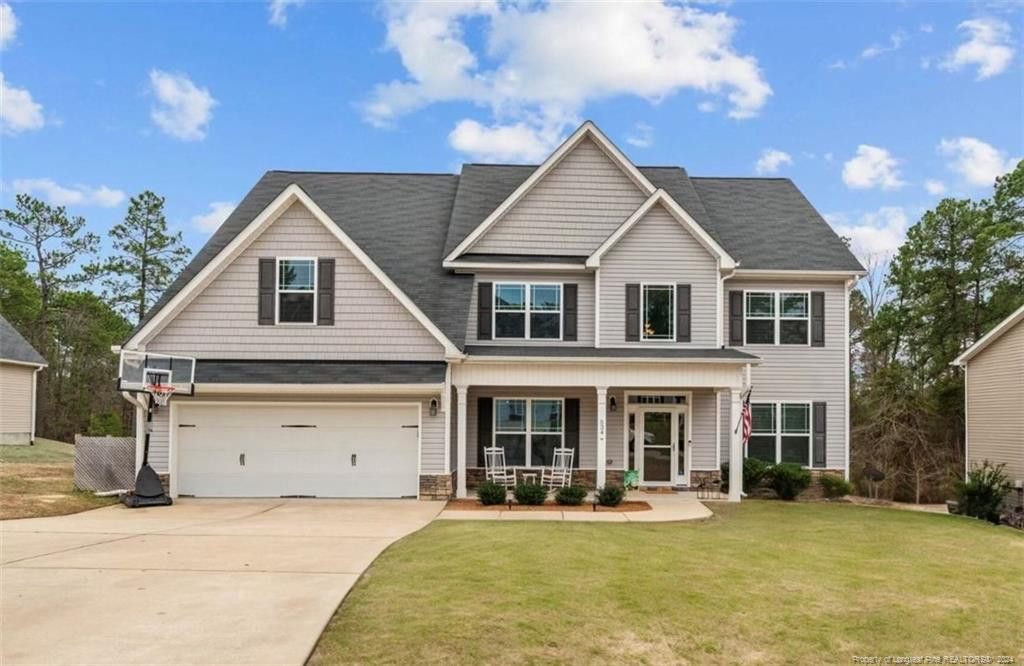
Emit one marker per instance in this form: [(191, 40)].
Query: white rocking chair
[(495, 469), (559, 475)]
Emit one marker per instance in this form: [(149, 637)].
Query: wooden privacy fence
[(104, 463)]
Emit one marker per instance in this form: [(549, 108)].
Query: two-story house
[(368, 334)]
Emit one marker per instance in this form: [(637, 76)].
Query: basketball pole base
[(148, 490)]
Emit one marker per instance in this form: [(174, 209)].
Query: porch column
[(602, 434), (460, 441), (735, 448)]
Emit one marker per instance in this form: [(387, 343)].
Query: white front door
[(658, 444), (273, 450)]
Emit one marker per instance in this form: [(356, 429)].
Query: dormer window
[(527, 311), (296, 291)]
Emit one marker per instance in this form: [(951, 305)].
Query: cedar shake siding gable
[(571, 209), (222, 321), (659, 250)]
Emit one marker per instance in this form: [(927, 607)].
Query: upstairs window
[(296, 291), (528, 311), (777, 318), (659, 312)]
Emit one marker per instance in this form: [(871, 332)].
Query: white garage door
[(275, 450)]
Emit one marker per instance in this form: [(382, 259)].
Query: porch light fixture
[(612, 404), (433, 406)]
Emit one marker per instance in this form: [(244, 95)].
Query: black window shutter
[(325, 292), (266, 286), (484, 425), (632, 313), (683, 317), (572, 428), (817, 319), (484, 303), (569, 297), (736, 318), (819, 459)]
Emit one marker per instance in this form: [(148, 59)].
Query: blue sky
[(875, 110)]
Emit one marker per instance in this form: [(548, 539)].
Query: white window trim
[(278, 291), (778, 432), (643, 308), (528, 458), (528, 310), (777, 317)]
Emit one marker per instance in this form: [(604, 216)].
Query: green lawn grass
[(761, 582), (38, 480)]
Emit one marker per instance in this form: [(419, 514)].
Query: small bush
[(754, 471), (611, 495), (490, 493), (981, 493), (530, 493), (835, 486), (788, 480), (571, 495)]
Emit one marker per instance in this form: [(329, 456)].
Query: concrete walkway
[(665, 507), (203, 581)]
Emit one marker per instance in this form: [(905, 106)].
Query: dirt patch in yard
[(475, 505), (38, 481)]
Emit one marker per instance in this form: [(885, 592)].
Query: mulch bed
[(475, 505)]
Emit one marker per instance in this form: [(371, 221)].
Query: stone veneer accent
[(436, 486)]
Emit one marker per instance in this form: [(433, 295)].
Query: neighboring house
[(994, 390), (19, 368), (367, 334)]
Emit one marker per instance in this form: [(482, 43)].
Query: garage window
[(296, 290)]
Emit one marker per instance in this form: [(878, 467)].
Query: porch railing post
[(602, 435), (460, 441)]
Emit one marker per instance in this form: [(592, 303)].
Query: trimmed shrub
[(530, 493), (571, 495), (611, 495), (490, 493), (788, 480), (835, 486), (981, 493), (754, 471)]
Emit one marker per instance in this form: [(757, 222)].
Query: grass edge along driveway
[(761, 582)]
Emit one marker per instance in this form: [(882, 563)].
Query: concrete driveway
[(203, 581)]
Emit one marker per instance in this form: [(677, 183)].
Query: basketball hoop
[(161, 393)]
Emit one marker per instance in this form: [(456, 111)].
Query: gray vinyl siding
[(432, 442), (659, 250), (703, 430), (370, 323), (796, 373), (995, 398), (584, 305), (16, 403), (571, 210)]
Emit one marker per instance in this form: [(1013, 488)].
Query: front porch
[(597, 408)]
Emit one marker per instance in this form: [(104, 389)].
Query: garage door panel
[(315, 460)]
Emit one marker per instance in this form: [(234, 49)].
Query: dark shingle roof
[(13, 347), (319, 372), (712, 353)]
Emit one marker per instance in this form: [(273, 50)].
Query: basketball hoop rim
[(161, 392)]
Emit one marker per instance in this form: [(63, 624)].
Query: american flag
[(747, 424)]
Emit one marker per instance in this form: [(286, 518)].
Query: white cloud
[(8, 25), (770, 161), (988, 47), (642, 136), (707, 107), (874, 234), (76, 195), (183, 109), (896, 40), (935, 187), (872, 167), (531, 65), (977, 162), (212, 219), (838, 64), (926, 28), (18, 111), (502, 143), (279, 11)]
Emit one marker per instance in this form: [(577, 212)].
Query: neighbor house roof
[(318, 372), (408, 223), (990, 337), (15, 348)]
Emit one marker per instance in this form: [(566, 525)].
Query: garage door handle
[(353, 460), (241, 459)]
